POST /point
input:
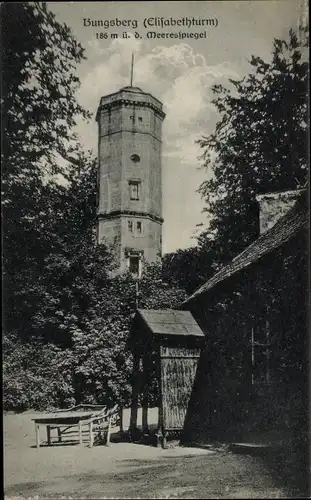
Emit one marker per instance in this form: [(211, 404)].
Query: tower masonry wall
[(130, 173), (109, 232), (147, 171), (110, 171)]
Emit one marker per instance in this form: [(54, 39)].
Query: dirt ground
[(126, 470)]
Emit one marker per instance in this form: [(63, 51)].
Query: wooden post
[(121, 419), (37, 435), (91, 433), (80, 432), (108, 431), (145, 395), (159, 429), (135, 394), (59, 433), (160, 414), (48, 434)]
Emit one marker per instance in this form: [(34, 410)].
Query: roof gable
[(284, 229), (170, 322)]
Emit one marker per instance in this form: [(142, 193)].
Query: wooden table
[(63, 420)]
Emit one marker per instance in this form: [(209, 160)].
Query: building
[(130, 177), (252, 378)]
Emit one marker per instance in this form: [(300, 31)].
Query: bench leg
[(37, 435), (159, 438)]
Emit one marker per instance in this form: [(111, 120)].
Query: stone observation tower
[(130, 177)]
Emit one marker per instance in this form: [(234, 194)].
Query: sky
[(180, 73)]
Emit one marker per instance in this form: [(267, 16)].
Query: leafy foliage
[(36, 376), (191, 267), (103, 361), (259, 145), (92, 356), (40, 56), (39, 112)]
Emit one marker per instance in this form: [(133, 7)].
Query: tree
[(45, 294), (157, 290), (190, 267), (102, 358), (39, 59), (259, 145), (39, 112)]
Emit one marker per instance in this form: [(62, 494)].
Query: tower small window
[(140, 119), (139, 227), (135, 158), (130, 225), (134, 265), (134, 190)]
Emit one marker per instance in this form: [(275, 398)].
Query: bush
[(37, 376)]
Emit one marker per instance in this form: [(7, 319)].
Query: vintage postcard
[(155, 178)]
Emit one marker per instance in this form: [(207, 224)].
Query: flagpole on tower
[(132, 69)]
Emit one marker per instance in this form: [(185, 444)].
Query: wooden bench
[(75, 418)]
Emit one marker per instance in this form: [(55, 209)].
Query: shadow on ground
[(290, 466), (196, 476)]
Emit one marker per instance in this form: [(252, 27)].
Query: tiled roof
[(285, 229), (170, 322)]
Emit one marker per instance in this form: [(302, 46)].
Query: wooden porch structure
[(166, 344)]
